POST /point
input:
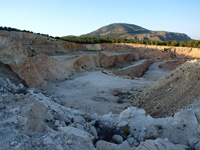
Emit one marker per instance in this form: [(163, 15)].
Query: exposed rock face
[(151, 51), (34, 42), (171, 65), (136, 70), (39, 69), (186, 52), (7, 72), (12, 52), (32, 56), (115, 59)]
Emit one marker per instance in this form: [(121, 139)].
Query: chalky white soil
[(93, 91)]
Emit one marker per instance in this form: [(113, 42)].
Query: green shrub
[(165, 49), (99, 40)]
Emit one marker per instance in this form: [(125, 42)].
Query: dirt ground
[(93, 91)]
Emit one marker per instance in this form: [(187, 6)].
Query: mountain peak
[(131, 31)]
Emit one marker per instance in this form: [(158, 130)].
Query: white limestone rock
[(103, 145), (131, 112), (117, 139), (193, 142), (35, 117), (94, 132), (197, 146), (81, 139), (184, 125), (47, 141), (130, 141), (159, 144), (79, 126)]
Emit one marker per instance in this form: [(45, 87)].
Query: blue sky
[(76, 17)]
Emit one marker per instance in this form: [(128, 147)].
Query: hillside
[(130, 31)]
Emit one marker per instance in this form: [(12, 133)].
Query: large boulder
[(35, 117), (80, 139), (178, 129), (103, 145), (12, 52), (159, 144)]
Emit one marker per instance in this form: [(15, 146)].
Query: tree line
[(14, 29), (99, 40)]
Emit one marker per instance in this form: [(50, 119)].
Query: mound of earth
[(174, 91)]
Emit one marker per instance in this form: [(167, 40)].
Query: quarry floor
[(93, 91)]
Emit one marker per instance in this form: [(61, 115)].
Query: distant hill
[(130, 31), (69, 36)]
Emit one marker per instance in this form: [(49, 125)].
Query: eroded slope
[(173, 92)]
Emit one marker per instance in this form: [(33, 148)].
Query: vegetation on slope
[(14, 29), (131, 31), (92, 40), (98, 40), (117, 30)]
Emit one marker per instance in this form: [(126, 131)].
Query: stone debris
[(103, 145), (116, 93), (193, 142), (117, 139), (197, 146), (119, 101), (159, 144), (47, 141), (36, 121)]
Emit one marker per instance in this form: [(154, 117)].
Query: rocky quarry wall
[(31, 120), (33, 56), (150, 51)]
